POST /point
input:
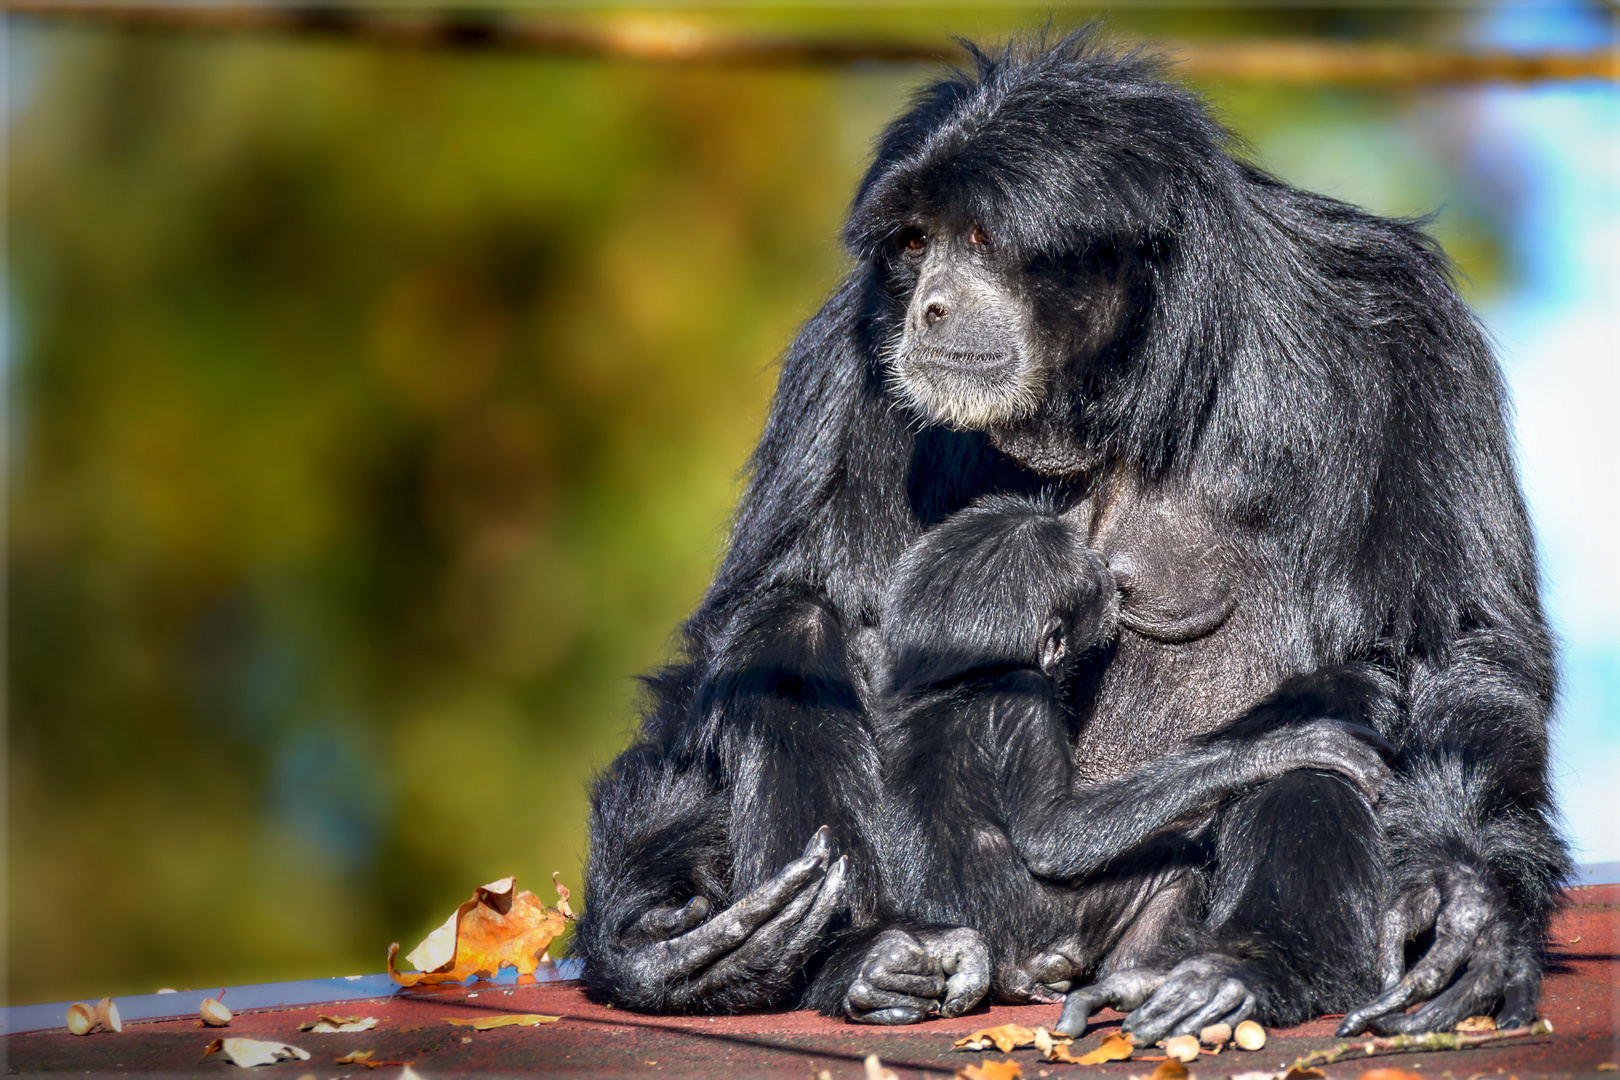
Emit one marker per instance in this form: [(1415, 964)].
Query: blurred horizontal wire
[(665, 40)]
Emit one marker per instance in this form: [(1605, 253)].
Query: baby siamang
[(986, 616), (1280, 425)]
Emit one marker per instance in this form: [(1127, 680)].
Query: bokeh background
[(375, 414)]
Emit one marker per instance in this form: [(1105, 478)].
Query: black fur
[(1277, 421)]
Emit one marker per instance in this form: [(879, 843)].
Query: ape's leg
[(1292, 929), (701, 896)]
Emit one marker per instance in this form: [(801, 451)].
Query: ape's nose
[(934, 312)]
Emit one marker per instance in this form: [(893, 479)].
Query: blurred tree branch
[(662, 39)]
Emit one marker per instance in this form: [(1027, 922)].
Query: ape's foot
[(1122, 990), (909, 976), (1484, 958), (1204, 990), (1043, 979)]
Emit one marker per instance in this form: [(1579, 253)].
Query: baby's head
[(1007, 582)]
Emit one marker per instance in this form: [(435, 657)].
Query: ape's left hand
[(1476, 933)]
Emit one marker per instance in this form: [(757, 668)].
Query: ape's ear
[(1053, 646)]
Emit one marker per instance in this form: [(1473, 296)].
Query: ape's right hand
[(1356, 752), (774, 928)]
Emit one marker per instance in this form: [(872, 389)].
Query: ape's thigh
[(1298, 880)]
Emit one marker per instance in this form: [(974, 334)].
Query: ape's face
[(992, 333)]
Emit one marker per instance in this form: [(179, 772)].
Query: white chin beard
[(949, 403)]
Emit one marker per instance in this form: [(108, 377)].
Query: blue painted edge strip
[(20, 1018)]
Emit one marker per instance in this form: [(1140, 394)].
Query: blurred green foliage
[(376, 417)]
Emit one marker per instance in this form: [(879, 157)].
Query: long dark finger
[(820, 844), (1241, 1013), (1393, 935), (890, 1017), (965, 988), (965, 960), (1364, 734), (765, 947), (921, 986), (1412, 914), (729, 929), (1124, 990), (828, 903), (1426, 977), (1164, 1005), (1228, 998), (662, 923), (1077, 1010), (863, 995), (1519, 992), (1475, 993)]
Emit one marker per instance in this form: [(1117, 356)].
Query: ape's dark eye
[(914, 242), (979, 237)]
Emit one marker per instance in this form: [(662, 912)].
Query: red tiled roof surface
[(1581, 998)]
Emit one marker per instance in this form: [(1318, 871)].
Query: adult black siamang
[(1281, 428)]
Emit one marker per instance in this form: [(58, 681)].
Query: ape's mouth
[(968, 391), (986, 364)]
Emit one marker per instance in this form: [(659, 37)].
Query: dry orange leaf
[(1054, 1048), (1007, 1038), (1390, 1074), (1116, 1047), (363, 1057), (1477, 1023), (327, 1025), (485, 1023), (562, 896), (250, 1052), (1169, 1069), (499, 927), (873, 1067), (991, 1070)]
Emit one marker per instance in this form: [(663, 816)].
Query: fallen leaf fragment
[(1216, 1035), (214, 1013), (875, 1070), (80, 1019), (1182, 1048), (1249, 1035), (1476, 1023), (1606, 1066), (1116, 1047), (250, 1052), (562, 896), (358, 1057), (1054, 1048), (990, 1070), (485, 1023), (1007, 1038), (1169, 1069), (107, 1015), (1390, 1074), (499, 927), (328, 1025)]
